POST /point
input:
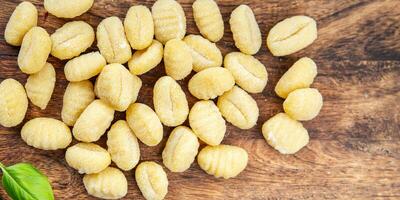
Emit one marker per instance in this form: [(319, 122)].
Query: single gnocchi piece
[(245, 30), (300, 75), (177, 59), (169, 20), (285, 134), (170, 102), (93, 63), (143, 61), (13, 103), (249, 73), (46, 134), (77, 97), (110, 183), (67, 8), (112, 42), (40, 86), (223, 160), (303, 104), (238, 108), (71, 40), (35, 50), (123, 146), (24, 17), (205, 54), (87, 158), (145, 124), (116, 86), (181, 149), (207, 122), (292, 35), (208, 19), (93, 122), (151, 180), (139, 27), (210, 83)]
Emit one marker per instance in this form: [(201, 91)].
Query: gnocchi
[(151, 180), (145, 124), (208, 19), (205, 54), (143, 61), (223, 160), (181, 149), (207, 122), (39, 86), (249, 73), (110, 183), (93, 122), (24, 17), (112, 42), (210, 83), (71, 40), (300, 75), (177, 59), (67, 8), (285, 134), (303, 104), (247, 40), (94, 62), (46, 134), (139, 27), (87, 158), (35, 50), (291, 35), (13, 103)]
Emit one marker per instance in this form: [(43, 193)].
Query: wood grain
[(354, 152)]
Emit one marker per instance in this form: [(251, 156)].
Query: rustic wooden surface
[(354, 152)]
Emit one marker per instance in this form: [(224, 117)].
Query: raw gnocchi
[(93, 62), (285, 134), (210, 83), (303, 104), (46, 134), (67, 8), (151, 180), (208, 19), (87, 158), (249, 73), (143, 61), (177, 59), (110, 183), (207, 122), (139, 27), (24, 17), (145, 124), (39, 86), (13, 103), (205, 54), (181, 149), (223, 160)]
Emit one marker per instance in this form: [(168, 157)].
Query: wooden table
[(354, 151)]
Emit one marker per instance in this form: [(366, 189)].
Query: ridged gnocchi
[(181, 149), (208, 19), (177, 59), (151, 180), (210, 83), (145, 124), (207, 122), (144, 60), (205, 54), (87, 158), (285, 134), (249, 73), (93, 62), (110, 183), (223, 160), (139, 27), (13, 103), (303, 104), (46, 134), (67, 8), (169, 20), (39, 86)]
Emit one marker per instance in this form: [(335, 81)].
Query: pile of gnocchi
[(155, 35)]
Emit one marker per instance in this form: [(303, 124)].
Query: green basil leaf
[(24, 182)]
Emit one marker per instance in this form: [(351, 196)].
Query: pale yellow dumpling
[(208, 19), (67, 8), (145, 60), (303, 104), (178, 60), (110, 183), (139, 27), (94, 62), (13, 103), (205, 54), (151, 180), (39, 86), (87, 158)]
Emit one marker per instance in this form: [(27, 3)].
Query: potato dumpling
[(67, 8), (239, 108), (39, 86), (181, 149), (139, 27), (210, 83), (170, 102), (177, 59), (13, 103), (205, 54), (285, 134), (300, 75), (223, 160), (303, 104), (94, 62), (144, 60), (110, 183), (87, 158), (207, 122), (151, 180), (208, 19)]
